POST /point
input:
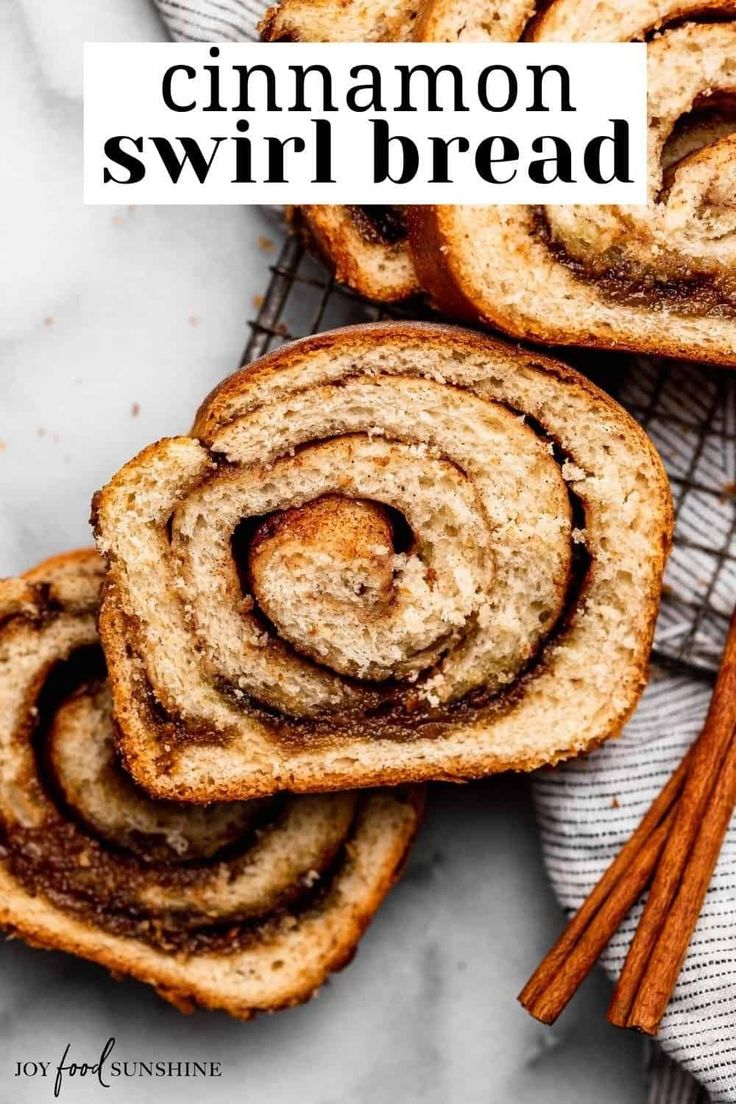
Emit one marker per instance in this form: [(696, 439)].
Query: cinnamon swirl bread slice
[(387, 553), (658, 279), (245, 907)]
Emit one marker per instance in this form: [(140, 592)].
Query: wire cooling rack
[(689, 412)]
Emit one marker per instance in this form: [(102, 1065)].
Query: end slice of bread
[(366, 247)]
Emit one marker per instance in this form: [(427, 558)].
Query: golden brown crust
[(432, 258), (81, 560), (338, 21), (214, 409)]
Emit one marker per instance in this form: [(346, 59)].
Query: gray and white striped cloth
[(212, 20), (588, 808)]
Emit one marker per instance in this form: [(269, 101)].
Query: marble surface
[(113, 325)]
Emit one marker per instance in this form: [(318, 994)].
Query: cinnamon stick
[(552, 999), (707, 759), (669, 953), (569, 961)]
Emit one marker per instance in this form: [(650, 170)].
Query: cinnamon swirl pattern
[(385, 554), (244, 906), (660, 278)]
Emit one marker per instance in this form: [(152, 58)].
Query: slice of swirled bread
[(365, 246), (242, 906), (387, 553)]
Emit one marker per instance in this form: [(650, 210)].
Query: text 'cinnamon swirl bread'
[(245, 906), (389, 553)]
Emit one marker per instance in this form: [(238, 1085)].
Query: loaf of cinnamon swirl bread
[(385, 554), (245, 906)]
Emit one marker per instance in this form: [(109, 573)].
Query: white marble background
[(113, 325)]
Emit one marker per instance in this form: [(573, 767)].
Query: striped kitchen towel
[(211, 20), (588, 808)]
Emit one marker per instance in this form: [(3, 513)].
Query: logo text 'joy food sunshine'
[(69, 1069)]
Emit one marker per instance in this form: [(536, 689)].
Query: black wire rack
[(689, 412)]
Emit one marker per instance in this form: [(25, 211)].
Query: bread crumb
[(266, 244), (257, 301), (728, 490), (135, 410), (572, 473), (3, 445), (48, 320), (193, 319), (117, 220), (614, 802)]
